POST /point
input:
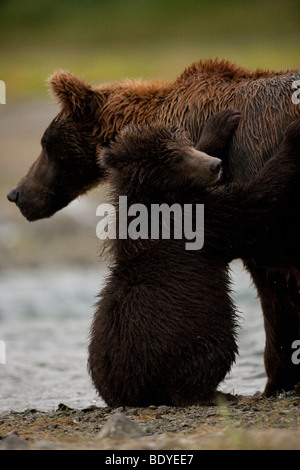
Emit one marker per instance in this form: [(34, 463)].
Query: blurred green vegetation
[(111, 39)]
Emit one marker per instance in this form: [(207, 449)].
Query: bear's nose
[(13, 195), (215, 167)]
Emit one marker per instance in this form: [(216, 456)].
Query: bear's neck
[(129, 102)]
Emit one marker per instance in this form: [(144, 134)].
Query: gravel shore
[(248, 423)]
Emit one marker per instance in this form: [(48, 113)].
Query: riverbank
[(253, 423)]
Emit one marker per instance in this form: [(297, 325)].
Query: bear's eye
[(43, 143), (47, 151), (46, 144), (174, 157)]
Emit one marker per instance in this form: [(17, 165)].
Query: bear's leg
[(280, 300)]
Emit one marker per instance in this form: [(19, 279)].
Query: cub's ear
[(74, 94), (106, 159)]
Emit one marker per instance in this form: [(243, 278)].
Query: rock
[(46, 445), (119, 409), (119, 426), (63, 407), (90, 409), (297, 389), (12, 441)]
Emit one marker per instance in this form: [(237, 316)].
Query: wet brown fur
[(92, 116), (164, 329)]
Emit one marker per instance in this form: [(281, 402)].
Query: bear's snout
[(14, 196), (216, 166), (206, 170)]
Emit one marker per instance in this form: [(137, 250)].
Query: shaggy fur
[(164, 329), (92, 116)]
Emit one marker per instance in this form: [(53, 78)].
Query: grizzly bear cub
[(165, 327)]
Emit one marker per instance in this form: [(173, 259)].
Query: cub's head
[(157, 160)]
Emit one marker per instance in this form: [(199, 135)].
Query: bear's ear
[(106, 159), (74, 94)]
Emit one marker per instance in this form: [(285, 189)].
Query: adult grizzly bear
[(92, 116), (164, 329)]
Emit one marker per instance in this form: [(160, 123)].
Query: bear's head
[(67, 165), (157, 160)]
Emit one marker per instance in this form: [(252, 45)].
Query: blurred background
[(49, 270)]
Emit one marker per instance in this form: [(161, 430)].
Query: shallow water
[(45, 316)]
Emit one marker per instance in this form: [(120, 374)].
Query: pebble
[(12, 441), (119, 426)]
